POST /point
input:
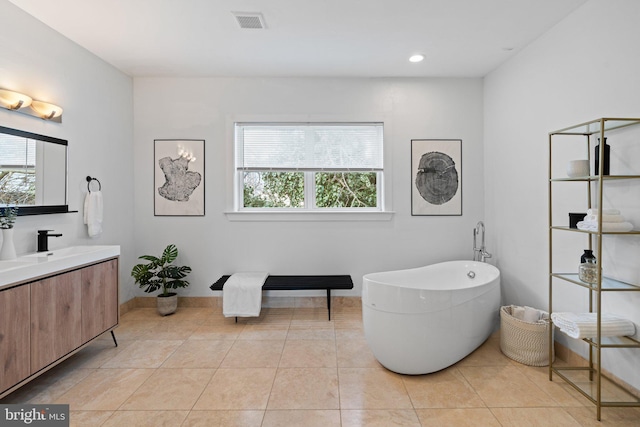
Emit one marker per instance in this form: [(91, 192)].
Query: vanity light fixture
[(416, 58), (46, 110), (19, 102), (14, 100)]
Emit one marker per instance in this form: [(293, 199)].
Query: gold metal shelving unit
[(590, 380)]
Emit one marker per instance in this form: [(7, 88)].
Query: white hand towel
[(93, 212), (517, 312), (595, 211), (242, 294), (605, 218), (606, 226), (583, 325)]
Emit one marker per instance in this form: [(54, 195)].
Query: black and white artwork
[(178, 177), (436, 187)]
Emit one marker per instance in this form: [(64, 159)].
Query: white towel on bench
[(242, 294)]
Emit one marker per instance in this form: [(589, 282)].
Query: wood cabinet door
[(99, 298), (55, 318), (14, 336)]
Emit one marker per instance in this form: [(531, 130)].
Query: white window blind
[(309, 146)]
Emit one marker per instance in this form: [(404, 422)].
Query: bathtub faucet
[(479, 253)]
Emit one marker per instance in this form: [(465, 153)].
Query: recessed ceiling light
[(416, 58)]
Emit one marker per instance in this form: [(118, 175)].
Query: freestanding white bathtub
[(421, 320)]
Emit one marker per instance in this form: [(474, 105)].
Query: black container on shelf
[(587, 256), (605, 160), (575, 218)]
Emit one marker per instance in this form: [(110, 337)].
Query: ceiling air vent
[(253, 21)]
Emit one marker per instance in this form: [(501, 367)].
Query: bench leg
[(329, 303)]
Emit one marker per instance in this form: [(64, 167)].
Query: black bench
[(297, 283)]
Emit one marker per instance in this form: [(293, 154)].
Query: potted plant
[(8, 216), (160, 273)]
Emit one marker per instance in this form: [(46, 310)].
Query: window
[(309, 166)]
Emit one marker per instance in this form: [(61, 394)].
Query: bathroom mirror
[(33, 172)]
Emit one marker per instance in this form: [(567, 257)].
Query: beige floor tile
[(224, 419), (355, 353), (379, 418), (558, 389), (253, 354), (306, 418), (372, 388), (534, 417), (198, 354), (104, 389), (239, 389), (146, 418), (98, 353), (220, 331), (488, 354), (305, 388), (170, 330), (264, 332), (505, 386), (132, 328), (139, 314), (49, 386), (88, 418), (186, 385), (143, 354), (271, 319), (309, 354), (444, 389), (469, 417), (610, 417), (311, 334)]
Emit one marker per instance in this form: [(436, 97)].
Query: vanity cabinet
[(99, 299), (44, 321), (14, 335), (590, 380), (55, 318)]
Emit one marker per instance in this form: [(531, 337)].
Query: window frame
[(235, 196), (308, 174)]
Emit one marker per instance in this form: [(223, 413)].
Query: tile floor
[(292, 367)]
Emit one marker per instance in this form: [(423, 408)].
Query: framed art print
[(436, 177), (178, 177)]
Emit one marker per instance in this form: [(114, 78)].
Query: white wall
[(212, 245), (584, 68), (97, 122)]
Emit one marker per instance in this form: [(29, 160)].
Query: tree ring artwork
[(436, 177)]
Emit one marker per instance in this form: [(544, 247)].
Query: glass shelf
[(589, 128), (594, 178), (608, 284), (612, 395), (576, 230), (614, 342)]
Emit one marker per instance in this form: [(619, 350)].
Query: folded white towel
[(584, 325), (594, 211), (93, 212), (531, 315), (517, 312), (606, 226), (605, 218), (242, 294)]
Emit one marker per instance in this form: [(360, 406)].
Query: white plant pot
[(8, 250), (167, 305)]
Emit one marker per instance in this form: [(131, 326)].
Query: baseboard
[(270, 301)]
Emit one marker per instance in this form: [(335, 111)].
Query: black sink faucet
[(43, 239)]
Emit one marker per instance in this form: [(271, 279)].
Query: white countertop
[(39, 264)]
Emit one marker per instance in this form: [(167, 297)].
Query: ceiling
[(345, 38)]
